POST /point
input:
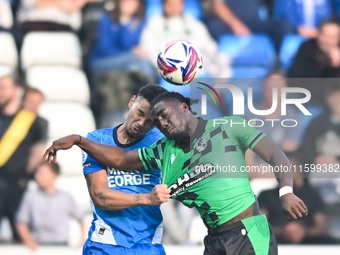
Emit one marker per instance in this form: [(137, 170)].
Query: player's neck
[(123, 137), (192, 125)]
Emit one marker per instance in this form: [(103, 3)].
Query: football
[(179, 62)]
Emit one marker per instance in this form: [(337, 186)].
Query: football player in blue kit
[(126, 213)]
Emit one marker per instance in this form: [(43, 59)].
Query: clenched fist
[(159, 194)]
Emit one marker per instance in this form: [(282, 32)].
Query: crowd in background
[(120, 40)]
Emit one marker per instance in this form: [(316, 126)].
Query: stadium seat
[(6, 17), (67, 118), (8, 52), (336, 6), (60, 83), (249, 72), (191, 7), (76, 185), (184, 89), (5, 70), (70, 161), (153, 8), (279, 9), (51, 48), (289, 47), (245, 51)]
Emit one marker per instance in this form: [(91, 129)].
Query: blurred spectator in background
[(288, 138), (306, 16), (321, 143), (117, 44), (173, 25), (6, 17), (50, 15), (242, 18), (43, 215), (308, 230), (319, 57), (22, 141), (32, 99)]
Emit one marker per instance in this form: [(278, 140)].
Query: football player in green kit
[(189, 158)]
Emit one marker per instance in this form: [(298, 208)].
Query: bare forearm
[(108, 199), (110, 155), (113, 200), (284, 176), (107, 155), (274, 156)]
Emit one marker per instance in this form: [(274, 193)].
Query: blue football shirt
[(125, 227)]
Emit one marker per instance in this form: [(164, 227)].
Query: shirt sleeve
[(247, 135), (152, 157), (23, 215), (90, 165)]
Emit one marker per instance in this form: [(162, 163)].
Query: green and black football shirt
[(205, 177)]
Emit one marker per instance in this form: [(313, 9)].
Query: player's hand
[(63, 143), (293, 206), (159, 194)]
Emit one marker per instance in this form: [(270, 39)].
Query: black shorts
[(251, 236)]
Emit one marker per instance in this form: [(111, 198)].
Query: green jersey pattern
[(193, 176)]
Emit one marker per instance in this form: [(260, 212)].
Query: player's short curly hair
[(172, 96), (150, 92)]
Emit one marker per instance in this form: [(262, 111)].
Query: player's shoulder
[(153, 136), (100, 134)]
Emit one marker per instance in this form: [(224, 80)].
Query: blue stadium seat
[(184, 89), (248, 51), (289, 47), (153, 8), (336, 6), (191, 7), (249, 72), (279, 9)]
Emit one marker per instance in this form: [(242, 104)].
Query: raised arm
[(106, 155), (272, 154)]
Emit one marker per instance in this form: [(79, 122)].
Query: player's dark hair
[(150, 92), (171, 96), (53, 166)]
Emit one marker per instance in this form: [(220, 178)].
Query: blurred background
[(76, 64)]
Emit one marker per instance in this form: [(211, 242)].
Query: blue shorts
[(94, 248)]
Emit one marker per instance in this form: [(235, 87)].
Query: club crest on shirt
[(201, 144), (84, 156)]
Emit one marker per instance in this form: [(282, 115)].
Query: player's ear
[(184, 106), (132, 101)]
